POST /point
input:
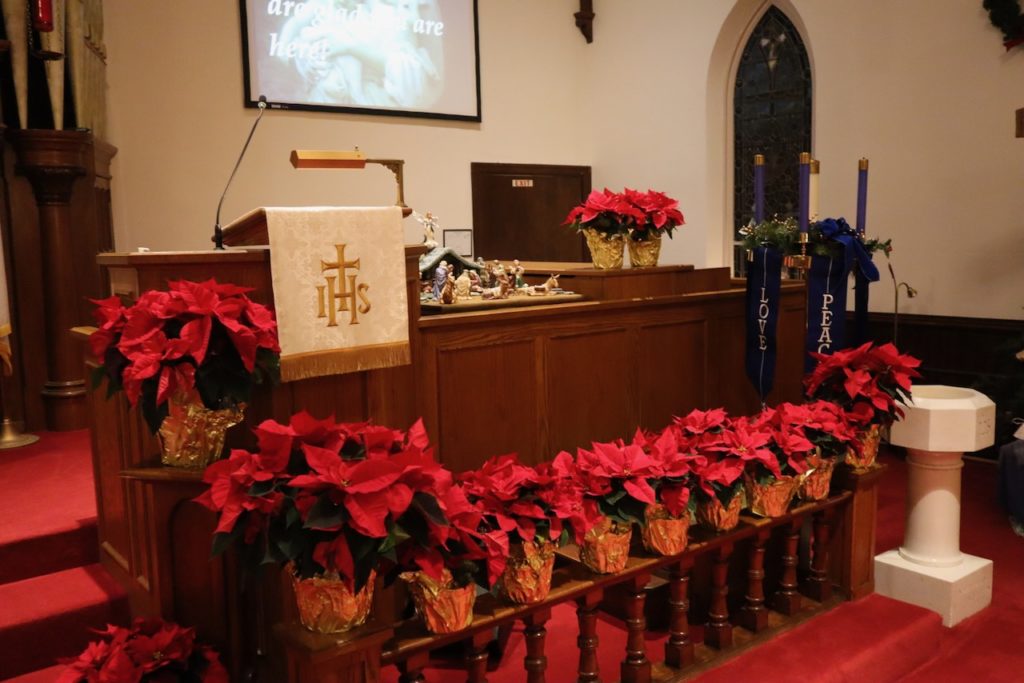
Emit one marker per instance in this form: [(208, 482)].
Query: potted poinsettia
[(867, 382), (776, 455), (604, 219), (667, 522), (189, 358), (333, 503), (464, 550), (149, 651), (719, 483), (661, 216), (517, 499), (828, 428), (615, 475)]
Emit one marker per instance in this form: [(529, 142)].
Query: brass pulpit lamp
[(312, 158)]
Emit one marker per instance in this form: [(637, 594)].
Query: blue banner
[(764, 281), (826, 306), (860, 308)]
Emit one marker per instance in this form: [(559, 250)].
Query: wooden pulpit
[(156, 542)]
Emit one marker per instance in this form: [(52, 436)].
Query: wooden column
[(754, 615), (818, 585), (535, 662), (476, 657), (52, 161), (411, 670), (351, 657), (787, 598), (853, 558), (718, 633), (636, 668), (679, 647), (586, 613)]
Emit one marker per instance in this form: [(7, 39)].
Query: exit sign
[(522, 182)]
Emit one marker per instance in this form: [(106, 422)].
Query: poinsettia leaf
[(325, 514), (261, 488), (396, 535), (225, 539), (427, 504)]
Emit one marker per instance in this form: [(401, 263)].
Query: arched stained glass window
[(772, 110)]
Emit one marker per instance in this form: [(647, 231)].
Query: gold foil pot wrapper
[(863, 458), (444, 607), (326, 605), (527, 576), (711, 513), (605, 250), (771, 499), (192, 435), (644, 253), (663, 533), (817, 480), (605, 548)]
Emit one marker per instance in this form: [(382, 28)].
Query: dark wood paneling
[(479, 384), (676, 351), (524, 222), (591, 388)]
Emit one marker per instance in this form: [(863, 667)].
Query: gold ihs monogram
[(341, 291)]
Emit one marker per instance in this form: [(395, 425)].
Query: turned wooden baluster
[(818, 586), (535, 661), (476, 657), (718, 633), (586, 613), (754, 615), (636, 668), (679, 647), (787, 598), (411, 670)]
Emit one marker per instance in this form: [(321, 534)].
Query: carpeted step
[(47, 675), (48, 617), (53, 550), (874, 639)]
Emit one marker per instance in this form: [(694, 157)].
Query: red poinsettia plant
[(825, 424), (338, 499), (617, 476), (525, 502), (607, 212), (203, 339), (676, 464), (661, 214), (150, 651), (866, 381), (716, 472), (788, 445)]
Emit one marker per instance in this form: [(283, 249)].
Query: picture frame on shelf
[(459, 240)]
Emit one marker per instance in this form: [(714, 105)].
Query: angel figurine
[(429, 223)]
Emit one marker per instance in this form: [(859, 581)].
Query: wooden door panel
[(590, 389), (477, 383), (672, 377), (518, 210)]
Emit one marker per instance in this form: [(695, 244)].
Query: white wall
[(921, 87), (176, 115)]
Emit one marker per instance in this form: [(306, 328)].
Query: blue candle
[(758, 188), (862, 195), (805, 191)]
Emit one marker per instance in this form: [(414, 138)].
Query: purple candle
[(805, 191), (862, 194), (758, 188)]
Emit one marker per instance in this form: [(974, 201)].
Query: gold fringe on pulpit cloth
[(339, 289)]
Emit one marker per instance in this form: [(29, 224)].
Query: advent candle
[(805, 191), (813, 202), (758, 188), (862, 195), (42, 15)]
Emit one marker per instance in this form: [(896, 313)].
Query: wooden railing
[(838, 543)]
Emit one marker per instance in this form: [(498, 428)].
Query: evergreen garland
[(1006, 16)]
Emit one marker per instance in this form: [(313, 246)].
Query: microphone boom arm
[(218, 232)]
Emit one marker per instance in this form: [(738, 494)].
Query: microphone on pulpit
[(218, 232)]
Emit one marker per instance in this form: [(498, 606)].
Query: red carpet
[(48, 507), (51, 590)]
